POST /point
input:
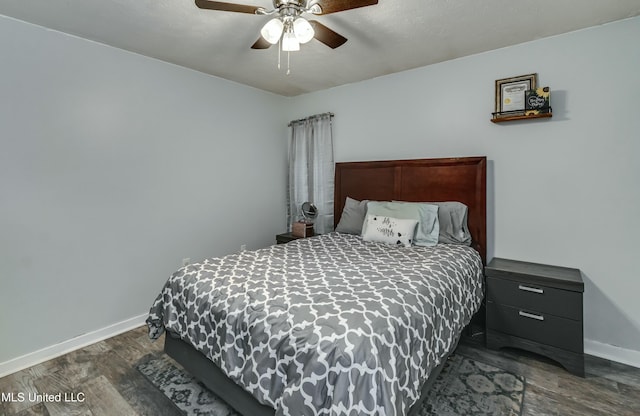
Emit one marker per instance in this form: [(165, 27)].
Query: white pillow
[(426, 215), (389, 230)]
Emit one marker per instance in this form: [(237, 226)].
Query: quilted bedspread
[(329, 325)]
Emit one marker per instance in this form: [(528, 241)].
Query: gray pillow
[(453, 223), (352, 217), (452, 217)]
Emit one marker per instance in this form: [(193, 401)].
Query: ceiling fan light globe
[(272, 31), (290, 43), (303, 30), (315, 9)]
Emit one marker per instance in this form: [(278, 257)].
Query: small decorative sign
[(537, 101)]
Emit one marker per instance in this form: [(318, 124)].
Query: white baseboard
[(53, 351), (613, 353)]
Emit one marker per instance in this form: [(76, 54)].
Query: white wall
[(114, 167), (561, 191)]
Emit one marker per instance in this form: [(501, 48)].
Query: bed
[(331, 324)]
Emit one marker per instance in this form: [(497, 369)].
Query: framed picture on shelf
[(510, 94)]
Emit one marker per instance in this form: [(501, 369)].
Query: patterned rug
[(464, 388)]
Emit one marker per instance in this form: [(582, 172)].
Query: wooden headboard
[(451, 179)]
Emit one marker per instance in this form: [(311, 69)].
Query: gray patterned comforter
[(329, 325)]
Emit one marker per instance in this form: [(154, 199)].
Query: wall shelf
[(496, 119)]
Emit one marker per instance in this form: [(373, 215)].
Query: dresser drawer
[(548, 300), (536, 326)]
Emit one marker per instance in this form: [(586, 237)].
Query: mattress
[(329, 325)]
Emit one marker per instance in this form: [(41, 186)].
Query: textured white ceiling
[(393, 36)]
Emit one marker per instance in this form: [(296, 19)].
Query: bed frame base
[(211, 376), (235, 396)]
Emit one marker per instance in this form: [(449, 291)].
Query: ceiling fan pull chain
[(279, 48)]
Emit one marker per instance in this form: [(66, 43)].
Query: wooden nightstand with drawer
[(538, 308), (285, 238)]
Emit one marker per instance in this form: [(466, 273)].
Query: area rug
[(464, 388)]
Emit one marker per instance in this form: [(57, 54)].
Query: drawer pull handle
[(531, 289), (531, 315)]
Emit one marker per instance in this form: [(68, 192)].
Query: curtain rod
[(309, 118)]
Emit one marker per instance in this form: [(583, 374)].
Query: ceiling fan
[(288, 25)]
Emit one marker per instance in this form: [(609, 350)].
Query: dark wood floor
[(103, 374)]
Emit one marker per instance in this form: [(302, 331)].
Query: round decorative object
[(309, 211)]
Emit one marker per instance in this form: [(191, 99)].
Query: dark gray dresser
[(538, 308)]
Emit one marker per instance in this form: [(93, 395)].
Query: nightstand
[(538, 308), (285, 238)]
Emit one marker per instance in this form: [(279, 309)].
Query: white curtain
[(311, 169)]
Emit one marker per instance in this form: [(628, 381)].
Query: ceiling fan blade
[(226, 7), (332, 6), (326, 35), (261, 43)]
